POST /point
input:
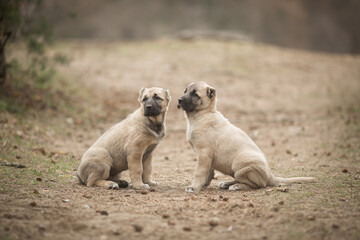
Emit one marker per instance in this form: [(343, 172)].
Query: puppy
[(221, 146), (128, 145)]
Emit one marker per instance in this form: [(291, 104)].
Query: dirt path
[(301, 108)]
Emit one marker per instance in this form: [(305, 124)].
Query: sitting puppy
[(128, 145), (221, 146)]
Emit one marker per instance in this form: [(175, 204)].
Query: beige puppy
[(128, 145), (221, 146)]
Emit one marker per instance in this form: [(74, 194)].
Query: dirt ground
[(301, 108)]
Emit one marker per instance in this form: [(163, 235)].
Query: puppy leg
[(202, 171), (96, 169), (250, 177), (136, 170), (226, 185), (107, 184), (210, 177), (147, 164)]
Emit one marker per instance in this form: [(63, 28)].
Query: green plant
[(25, 21)]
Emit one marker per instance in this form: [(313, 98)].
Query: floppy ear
[(167, 94), (141, 94), (210, 92)]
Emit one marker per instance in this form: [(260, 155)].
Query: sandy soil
[(301, 108)]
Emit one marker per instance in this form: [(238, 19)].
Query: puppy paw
[(141, 186), (235, 187), (152, 183), (192, 189), (113, 185), (223, 185)]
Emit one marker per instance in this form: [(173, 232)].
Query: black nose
[(148, 107), (180, 100)]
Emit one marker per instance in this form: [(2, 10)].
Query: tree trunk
[(2, 66)]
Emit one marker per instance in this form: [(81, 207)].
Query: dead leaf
[(102, 212), (282, 189), (137, 228), (187, 229)]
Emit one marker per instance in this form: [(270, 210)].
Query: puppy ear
[(210, 92), (167, 94), (141, 94)]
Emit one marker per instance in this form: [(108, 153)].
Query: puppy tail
[(278, 181)]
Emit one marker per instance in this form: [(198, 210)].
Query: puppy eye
[(145, 98), (193, 93), (158, 98)]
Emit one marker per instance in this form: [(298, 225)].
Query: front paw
[(152, 183), (192, 189), (223, 185), (141, 186)]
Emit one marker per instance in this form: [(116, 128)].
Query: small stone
[(251, 205), (345, 170), (335, 226), (166, 158), (66, 200), (214, 222), (102, 212), (165, 216), (288, 151), (281, 202), (137, 228), (311, 217), (39, 179), (144, 192), (33, 204), (225, 199), (19, 133), (275, 209), (18, 157)]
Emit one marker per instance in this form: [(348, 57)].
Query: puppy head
[(197, 96), (154, 101)]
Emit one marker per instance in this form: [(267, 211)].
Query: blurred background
[(321, 25)]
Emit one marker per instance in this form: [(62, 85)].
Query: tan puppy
[(128, 145), (221, 146)]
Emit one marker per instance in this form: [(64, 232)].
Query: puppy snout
[(149, 107), (180, 100)]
